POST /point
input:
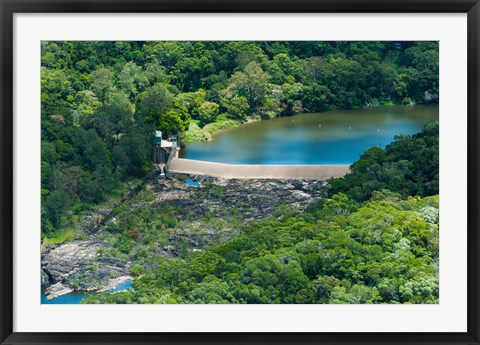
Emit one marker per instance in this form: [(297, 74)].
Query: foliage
[(342, 249), (373, 240), (408, 166), (381, 251)]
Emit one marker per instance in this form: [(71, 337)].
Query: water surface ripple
[(334, 137)]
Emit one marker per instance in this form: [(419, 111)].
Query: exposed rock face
[(57, 290), (430, 96), (112, 283), (83, 265), (254, 199), (217, 199), (79, 266), (45, 279)]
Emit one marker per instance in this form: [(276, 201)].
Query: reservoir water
[(334, 137)]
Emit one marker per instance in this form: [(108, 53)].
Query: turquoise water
[(334, 137), (76, 297), (192, 183)]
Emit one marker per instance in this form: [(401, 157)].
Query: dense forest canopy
[(265, 78), (376, 244), (101, 101), (303, 258), (408, 166), (371, 238)]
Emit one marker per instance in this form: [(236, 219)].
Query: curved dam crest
[(258, 171), (304, 146)]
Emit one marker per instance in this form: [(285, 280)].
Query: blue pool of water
[(76, 297), (192, 183)]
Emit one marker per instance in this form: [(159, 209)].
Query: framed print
[(239, 172)]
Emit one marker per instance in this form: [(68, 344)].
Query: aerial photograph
[(239, 172)]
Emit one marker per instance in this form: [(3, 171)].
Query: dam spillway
[(259, 171)]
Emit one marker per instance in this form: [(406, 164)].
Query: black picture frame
[(9, 7)]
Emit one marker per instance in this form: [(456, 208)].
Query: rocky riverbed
[(253, 199), (78, 265), (211, 209)]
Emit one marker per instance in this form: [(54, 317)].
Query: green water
[(334, 137)]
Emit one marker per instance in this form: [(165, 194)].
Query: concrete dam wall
[(258, 171)]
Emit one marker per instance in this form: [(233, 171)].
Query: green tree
[(207, 112), (56, 92), (132, 155), (114, 117), (171, 123), (154, 102), (86, 104), (132, 79), (252, 83), (167, 53), (238, 107), (56, 205), (102, 83)]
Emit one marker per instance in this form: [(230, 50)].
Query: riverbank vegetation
[(101, 101), (408, 166), (369, 240), (369, 237), (382, 251)]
